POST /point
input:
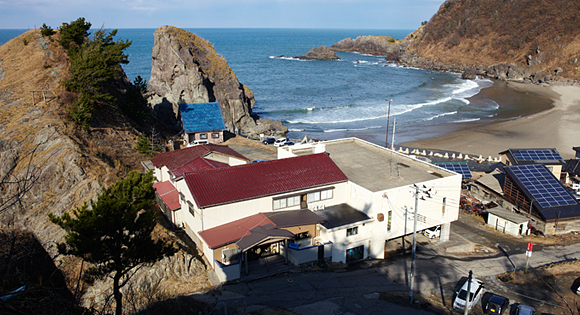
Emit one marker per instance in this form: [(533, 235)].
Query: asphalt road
[(355, 290)]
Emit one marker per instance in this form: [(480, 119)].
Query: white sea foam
[(440, 115), (286, 58), (466, 120), (353, 129), (292, 129)]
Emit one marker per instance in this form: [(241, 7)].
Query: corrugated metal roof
[(233, 231), (174, 160), (201, 117), (250, 230), (168, 194), (249, 181), (199, 164)]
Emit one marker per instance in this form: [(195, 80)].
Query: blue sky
[(364, 14)]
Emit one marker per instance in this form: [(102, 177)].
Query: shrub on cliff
[(115, 234), (75, 32), (93, 66), (46, 30)]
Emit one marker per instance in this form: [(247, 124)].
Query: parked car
[(497, 305), (525, 310), (287, 143), (476, 291), (269, 141), (433, 232), (280, 142)]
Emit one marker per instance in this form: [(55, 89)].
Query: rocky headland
[(374, 45), (48, 165), (187, 69), (502, 40), (320, 53)]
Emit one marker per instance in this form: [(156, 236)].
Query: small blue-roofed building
[(202, 123)]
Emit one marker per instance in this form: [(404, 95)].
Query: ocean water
[(334, 99)]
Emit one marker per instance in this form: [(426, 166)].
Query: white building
[(345, 204)]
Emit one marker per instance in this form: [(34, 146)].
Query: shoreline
[(549, 128)]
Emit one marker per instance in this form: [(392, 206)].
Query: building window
[(354, 254), (286, 202), (190, 206), (215, 135), (302, 235), (320, 195), (389, 216), (352, 231), (203, 135)]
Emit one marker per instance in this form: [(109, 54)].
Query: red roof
[(249, 181), (199, 164), (179, 158), (233, 231), (168, 194)]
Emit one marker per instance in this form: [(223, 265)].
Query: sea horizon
[(334, 99)]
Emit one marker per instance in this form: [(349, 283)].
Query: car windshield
[(463, 295)]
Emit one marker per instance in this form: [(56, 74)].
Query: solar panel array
[(543, 186), (460, 168), (537, 155)]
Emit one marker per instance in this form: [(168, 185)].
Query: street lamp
[(388, 114)]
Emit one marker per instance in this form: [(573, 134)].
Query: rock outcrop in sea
[(187, 69), (374, 45), (320, 53)]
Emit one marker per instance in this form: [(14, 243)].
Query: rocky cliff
[(375, 45), (49, 165), (187, 69), (524, 40)]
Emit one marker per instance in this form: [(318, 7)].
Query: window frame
[(203, 136), (353, 231)]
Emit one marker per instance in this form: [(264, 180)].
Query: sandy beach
[(557, 127)]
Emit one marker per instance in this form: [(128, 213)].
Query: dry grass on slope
[(490, 32)]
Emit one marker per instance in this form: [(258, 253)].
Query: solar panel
[(543, 186), (460, 168), (537, 155)]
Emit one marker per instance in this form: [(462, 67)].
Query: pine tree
[(114, 234)]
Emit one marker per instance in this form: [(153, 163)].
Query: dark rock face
[(187, 69), (320, 53), (502, 71), (373, 45)]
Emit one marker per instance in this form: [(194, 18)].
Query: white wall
[(401, 202), (341, 242), (162, 174), (230, 160), (504, 225), (218, 215)]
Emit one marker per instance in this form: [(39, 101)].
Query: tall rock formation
[(187, 69), (49, 166)]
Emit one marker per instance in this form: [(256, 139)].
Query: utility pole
[(427, 192), (393, 141), (468, 298), (388, 114)]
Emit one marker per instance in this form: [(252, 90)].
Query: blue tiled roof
[(201, 117)]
